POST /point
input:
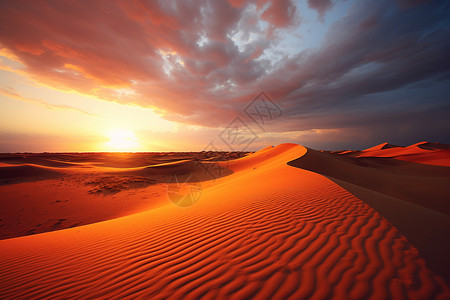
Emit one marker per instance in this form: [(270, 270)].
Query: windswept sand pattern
[(299, 236)]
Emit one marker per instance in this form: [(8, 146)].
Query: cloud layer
[(12, 93), (200, 62)]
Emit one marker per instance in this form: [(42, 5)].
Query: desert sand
[(286, 222)]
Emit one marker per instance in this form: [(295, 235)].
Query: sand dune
[(423, 152), (25, 172), (382, 146), (115, 160), (431, 146), (36, 197), (414, 197), (267, 230), (203, 170), (400, 179)]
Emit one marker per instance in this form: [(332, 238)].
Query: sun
[(122, 140)]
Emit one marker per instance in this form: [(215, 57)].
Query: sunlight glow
[(122, 140)]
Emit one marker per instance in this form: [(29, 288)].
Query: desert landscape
[(285, 222), (224, 149)]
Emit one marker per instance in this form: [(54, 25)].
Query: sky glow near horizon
[(171, 75)]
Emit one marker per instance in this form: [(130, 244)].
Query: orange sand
[(424, 153), (268, 230)]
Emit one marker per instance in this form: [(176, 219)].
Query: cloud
[(150, 47), (12, 93), (371, 65), (280, 13), (200, 63), (321, 6), (405, 4)]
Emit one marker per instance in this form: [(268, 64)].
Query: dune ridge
[(424, 153), (414, 197), (26, 172), (382, 146), (269, 230)]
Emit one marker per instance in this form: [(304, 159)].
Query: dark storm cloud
[(364, 69)]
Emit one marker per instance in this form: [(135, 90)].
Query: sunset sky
[(172, 75)]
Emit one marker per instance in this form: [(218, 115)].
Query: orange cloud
[(98, 47), (11, 93)]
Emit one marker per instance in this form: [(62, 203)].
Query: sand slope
[(64, 191), (414, 197), (269, 230)]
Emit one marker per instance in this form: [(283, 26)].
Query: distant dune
[(25, 172), (424, 153), (78, 189), (382, 146), (286, 222)]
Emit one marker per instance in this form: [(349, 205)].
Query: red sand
[(268, 230)]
